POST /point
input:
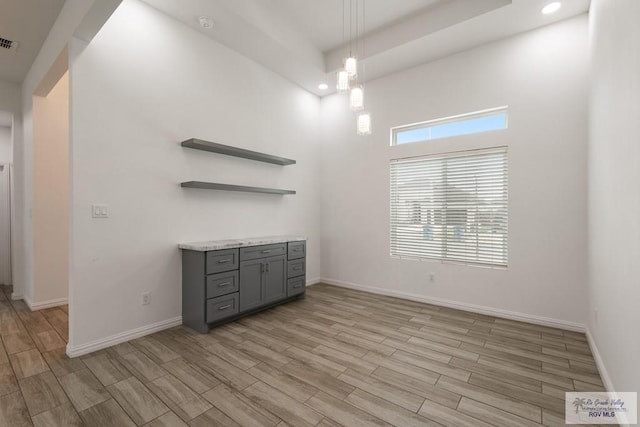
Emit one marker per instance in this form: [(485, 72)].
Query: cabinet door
[(275, 279), (251, 290)]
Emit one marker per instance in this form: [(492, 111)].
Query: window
[(451, 207), (464, 124)]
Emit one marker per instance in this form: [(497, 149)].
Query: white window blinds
[(451, 207)]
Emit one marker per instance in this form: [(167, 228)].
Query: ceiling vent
[(6, 44)]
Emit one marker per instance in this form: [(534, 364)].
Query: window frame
[(447, 120)]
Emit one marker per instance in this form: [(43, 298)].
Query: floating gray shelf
[(228, 150), (229, 187)]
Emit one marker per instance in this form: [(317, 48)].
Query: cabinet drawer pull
[(299, 285), (222, 261), (222, 285), (297, 268), (297, 250), (266, 251), (224, 307)]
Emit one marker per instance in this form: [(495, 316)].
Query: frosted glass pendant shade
[(356, 99), (364, 124), (351, 66), (343, 82)]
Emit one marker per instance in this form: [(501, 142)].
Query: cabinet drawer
[(222, 283), (262, 251), (219, 261), (221, 307), (296, 268), (296, 286), (296, 250)]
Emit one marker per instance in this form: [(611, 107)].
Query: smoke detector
[(206, 22), (6, 44)]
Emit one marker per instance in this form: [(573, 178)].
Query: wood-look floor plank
[(13, 411), (137, 400), (345, 359), (432, 365), (448, 417), (213, 418), (181, 399), (315, 361), (42, 393), (382, 389), (141, 366), (169, 419), (492, 415), (512, 405), (8, 381), (387, 411), (106, 414), (342, 412), (239, 408), (281, 380), (401, 367), (84, 389), (226, 372), (539, 399), (18, 342), (192, 375), (236, 357), (64, 415), (28, 363), (318, 379), (415, 386), (61, 364), (155, 350), (282, 405), (107, 369)]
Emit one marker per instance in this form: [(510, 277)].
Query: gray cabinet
[(221, 285)]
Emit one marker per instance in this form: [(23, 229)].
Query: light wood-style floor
[(339, 357)]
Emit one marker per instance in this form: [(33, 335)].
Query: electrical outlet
[(99, 211), (432, 277), (146, 298)]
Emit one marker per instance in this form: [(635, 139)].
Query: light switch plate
[(99, 211)]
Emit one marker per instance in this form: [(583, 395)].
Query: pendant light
[(364, 123), (343, 81), (356, 98), (351, 66)]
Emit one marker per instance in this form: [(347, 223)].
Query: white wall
[(614, 189), (51, 196), (145, 83), (5, 145), (542, 77)]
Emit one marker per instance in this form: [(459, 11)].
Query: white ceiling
[(28, 22), (321, 20), (302, 39)]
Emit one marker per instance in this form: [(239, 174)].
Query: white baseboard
[(35, 306), (90, 347), (313, 281), (504, 314), (16, 297), (606, 379)]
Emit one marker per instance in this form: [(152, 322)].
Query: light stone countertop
[(215, 245)]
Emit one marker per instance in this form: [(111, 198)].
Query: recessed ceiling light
[(551, 7), (205, 22), (323, 86)]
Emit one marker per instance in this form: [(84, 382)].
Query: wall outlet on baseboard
[(146, 298)]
